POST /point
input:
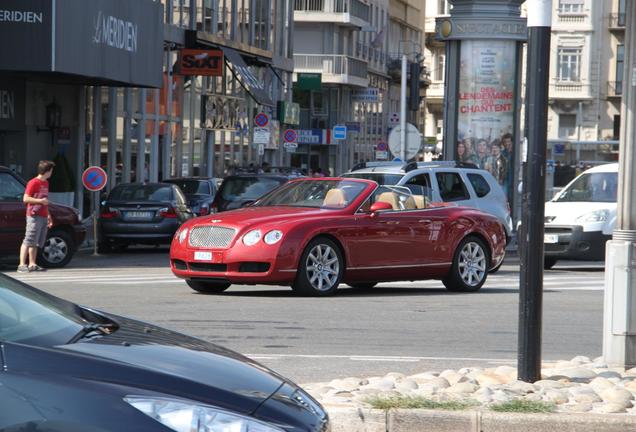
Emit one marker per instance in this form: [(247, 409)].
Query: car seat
[(391, 198), (410, 204), (335, 198)]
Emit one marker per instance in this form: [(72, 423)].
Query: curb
[(420, 420)]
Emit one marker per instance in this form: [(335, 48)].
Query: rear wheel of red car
[(321, 268), (470, 266), (363, 285), (208, 287), (57, 250)]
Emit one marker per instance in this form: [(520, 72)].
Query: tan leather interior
[(410, 204), (335, 198), (421, 201), (391, 198)]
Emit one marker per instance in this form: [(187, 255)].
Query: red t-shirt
[(37, 188)]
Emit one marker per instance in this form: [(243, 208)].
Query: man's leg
[(23, 254), (33, 252)]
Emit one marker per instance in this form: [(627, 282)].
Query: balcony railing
[(334, 68), (570, 90), (617, 21), (572, 17), (353, 7), (614, 88)]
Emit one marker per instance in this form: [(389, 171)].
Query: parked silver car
[(442, 181)]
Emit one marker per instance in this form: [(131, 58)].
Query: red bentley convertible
[(313, 234)]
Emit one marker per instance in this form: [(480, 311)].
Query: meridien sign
[(116, 33), (21, 16)]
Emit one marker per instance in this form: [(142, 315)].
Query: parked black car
[(238, 190), (146, 213), (75, 369), (199, 192), (63, 238)]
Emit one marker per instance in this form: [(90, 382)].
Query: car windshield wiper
[(103, 328)]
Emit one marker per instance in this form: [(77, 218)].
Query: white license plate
[(202, 256), (550, 238), (139, 215)]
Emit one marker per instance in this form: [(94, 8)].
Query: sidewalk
[(584, 396)]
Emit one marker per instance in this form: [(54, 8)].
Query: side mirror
[(380, 206)]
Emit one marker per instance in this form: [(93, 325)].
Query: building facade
[(586, 79), (119, 97)]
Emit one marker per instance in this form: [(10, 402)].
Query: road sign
[(290, 146), (94, 178), (261, 119), (340, 132), (261, 135), (381, 146), (381, 155), (290, 136), (413, 141), (394, 119)]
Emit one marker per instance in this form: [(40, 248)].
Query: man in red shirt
[(36, 197)]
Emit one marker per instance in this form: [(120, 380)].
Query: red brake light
[(204, 211), (167, 212)]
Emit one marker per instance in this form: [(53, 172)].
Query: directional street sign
[(261, 119), (340, 132), (94, 178)]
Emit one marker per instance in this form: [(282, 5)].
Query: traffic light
[(414, 86)]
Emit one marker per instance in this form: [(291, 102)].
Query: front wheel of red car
[(208, 287), (58, 249), (321, 268), (470, 266)]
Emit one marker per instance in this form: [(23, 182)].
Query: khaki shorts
[(36, 228)]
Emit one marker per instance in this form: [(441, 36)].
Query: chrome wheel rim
[(322, 267), (472, 264), (55, 250)]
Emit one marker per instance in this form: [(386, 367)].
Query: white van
[(581, 218)]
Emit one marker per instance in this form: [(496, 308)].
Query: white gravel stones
[(579, 385)]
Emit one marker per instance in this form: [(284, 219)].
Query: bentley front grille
[(211, 236)]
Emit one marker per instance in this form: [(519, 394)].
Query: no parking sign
[(94, 178)]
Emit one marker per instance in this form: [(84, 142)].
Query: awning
[(248, 80), (119, 42)]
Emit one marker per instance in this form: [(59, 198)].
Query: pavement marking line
[(378, 358)]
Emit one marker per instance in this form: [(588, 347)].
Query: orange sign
[(201, 62)]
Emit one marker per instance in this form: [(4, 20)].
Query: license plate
[(139, 215), (550, 238), (202, 256)]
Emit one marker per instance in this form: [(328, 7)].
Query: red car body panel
[(386, 246)]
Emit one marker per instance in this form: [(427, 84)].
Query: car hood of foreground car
[(263, 215), (143, 356)]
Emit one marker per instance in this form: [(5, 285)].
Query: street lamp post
[(619, 317)]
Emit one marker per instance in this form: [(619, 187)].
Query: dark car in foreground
[(63, 238), (244, 188), (199, 192), (69, 368), (146, 213)]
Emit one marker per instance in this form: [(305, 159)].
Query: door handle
[(425, 221)]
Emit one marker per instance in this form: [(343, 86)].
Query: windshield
[(315, 193), (31, 317), (591, 187), (248, 188), (380, 178), (191, 187), (139, 192)]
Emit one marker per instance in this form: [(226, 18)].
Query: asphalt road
[(396, 327)]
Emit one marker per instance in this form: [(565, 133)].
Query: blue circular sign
[(94, 178), (261, 119), (290, 135), (381, 146)]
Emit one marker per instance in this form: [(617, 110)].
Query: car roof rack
[(448, 164)]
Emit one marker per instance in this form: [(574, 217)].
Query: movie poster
[(486, 108)]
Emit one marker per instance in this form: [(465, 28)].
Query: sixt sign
[(201, 62)]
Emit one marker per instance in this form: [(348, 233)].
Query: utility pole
[(619, 316), (531, 239), (403, 111)]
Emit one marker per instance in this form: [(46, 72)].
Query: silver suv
[(442, 181)]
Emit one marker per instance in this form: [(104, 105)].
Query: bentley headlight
[(252, 237), (186, 416), (595, 216), (182, 235), (273, 237)]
